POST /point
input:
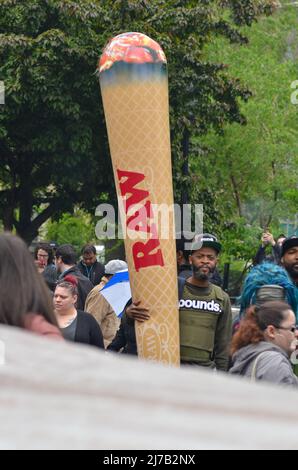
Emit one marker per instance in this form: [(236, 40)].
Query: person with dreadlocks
[(265, 282)]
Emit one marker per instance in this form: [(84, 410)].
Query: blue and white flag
[(117, 291)]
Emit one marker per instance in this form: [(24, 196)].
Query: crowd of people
[(54, 295)]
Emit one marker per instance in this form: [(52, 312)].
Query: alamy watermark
[(149, 221), (294, 95), (2, 92)]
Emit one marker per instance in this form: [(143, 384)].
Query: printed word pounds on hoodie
[(210, 306)]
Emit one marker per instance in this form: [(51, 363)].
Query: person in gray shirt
[(264, 342)]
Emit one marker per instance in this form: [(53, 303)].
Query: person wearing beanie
[(289, 258)]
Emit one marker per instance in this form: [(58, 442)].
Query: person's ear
[(190, 259), (270, 331)]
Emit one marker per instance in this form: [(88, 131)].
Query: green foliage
[(114, 249), (53, 150), (53, 142), (74, 229), (240, 240), (255, 168)]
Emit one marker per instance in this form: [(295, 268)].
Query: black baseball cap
[(288, 243), (205, 239)]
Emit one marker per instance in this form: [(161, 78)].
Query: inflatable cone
[(134, 87)]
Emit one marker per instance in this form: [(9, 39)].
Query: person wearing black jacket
[(125, 339), (75, 325), (66, 264), (89, 266), (274, 246)]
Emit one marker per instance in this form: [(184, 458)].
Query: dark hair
[(88, 249), (181, 242), (67, 254), (69, 282), (255, 322), (22, 289), (45, 247)]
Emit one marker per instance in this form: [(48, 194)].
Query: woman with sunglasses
[(265, 341)]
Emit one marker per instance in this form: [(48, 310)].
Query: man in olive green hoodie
[(205, 315)]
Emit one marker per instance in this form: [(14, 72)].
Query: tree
[(255, 166), (75, 229), (52, 138), (53, 141)]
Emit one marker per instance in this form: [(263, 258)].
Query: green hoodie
[(205, 326)]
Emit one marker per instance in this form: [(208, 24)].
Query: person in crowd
[(89, 266), (289, 259), (268, 241), (265, 340), (99, 307), (66, 264), (125, 339), (44, 260), (183, 244), (75, 325), (25, 300), (182, 254), (205, 315), (265, 282)]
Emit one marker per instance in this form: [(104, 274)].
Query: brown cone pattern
[(137, 118)]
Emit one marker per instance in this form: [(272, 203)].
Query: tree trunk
[(26, 209), (8, 205), (236, 195), (30, 231)]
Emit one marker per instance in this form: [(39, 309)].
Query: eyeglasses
[(42, 256), (290, 328)]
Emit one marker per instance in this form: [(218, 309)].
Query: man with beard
[(289, 257), (182, 255), (289, 260), (205, 315), (204, 309)]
